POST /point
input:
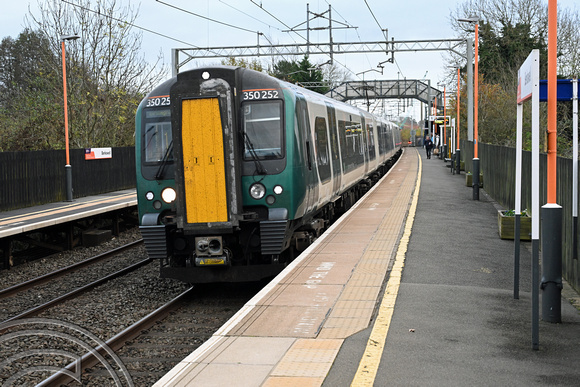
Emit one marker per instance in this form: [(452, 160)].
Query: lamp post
[(68, 167), (458, 150), (445, 148), (551, 217), (475, 20)]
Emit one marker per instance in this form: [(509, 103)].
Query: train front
[(229, 221)]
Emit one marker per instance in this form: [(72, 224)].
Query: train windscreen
[(262, 126), (157, 135)]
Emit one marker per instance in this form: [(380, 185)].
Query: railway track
[(152, 345), (20, 291), (29, 284), (93, 358)]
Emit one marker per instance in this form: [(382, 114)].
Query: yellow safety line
[(369, 364)]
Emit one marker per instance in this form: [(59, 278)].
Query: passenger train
[(238, 172)]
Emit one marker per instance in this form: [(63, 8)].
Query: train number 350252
[(259, 94)]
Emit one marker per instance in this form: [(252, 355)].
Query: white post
[(536, 202), (518, 203), (575, 169), (575, 147)]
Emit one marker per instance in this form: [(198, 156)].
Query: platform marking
[(63, 208), (369, 364)]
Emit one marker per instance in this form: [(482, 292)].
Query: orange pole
[(444, 117), (435, 126), (458, 94), (475, 92), (552, 97), (65, 106)]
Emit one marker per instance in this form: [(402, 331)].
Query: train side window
[(322, 156), (304, 127), (381, 139)]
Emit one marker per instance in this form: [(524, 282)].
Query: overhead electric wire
[(131, 24), (338, 13), (248, 15), (401, 71), (372, 13), (206, 18), (278, 20)]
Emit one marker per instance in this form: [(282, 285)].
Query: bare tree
[(107, 73), (334, 75), (569, 43), (509, 30)]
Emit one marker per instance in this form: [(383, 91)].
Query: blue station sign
[(564, 92)]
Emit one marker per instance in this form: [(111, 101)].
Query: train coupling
[(209, 251)]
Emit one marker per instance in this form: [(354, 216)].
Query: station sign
[(98, 153), (440, 120)]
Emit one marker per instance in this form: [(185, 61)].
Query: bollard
[(475, 179), (517, 229), (551, 283), (69, 189), (458, 161)]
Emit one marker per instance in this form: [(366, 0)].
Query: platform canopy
[(379, 89)]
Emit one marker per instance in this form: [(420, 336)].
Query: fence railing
[(33, 178), (497, 164)]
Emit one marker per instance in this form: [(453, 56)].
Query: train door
[(364, 146), (334, 151), (311, 186), (203, 161)]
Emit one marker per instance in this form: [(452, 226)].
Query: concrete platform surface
[(413, 287), (32, 218)]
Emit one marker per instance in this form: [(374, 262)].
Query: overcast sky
[(405, 20)]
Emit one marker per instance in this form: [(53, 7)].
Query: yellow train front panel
[(203, 161)]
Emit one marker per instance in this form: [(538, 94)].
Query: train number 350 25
[(260, 94), (158, 101)]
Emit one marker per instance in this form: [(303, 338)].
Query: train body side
[(258, 168)]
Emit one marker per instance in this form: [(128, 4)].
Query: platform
[(18, 224), (294, 328), (411, 287), (29, 219)]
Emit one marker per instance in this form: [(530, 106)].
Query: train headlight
[(278, 190), (257, 191), (149, 195), (168, 195)]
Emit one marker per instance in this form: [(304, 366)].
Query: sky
[(405, 20)]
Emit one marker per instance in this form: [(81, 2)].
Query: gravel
[(108, 309)]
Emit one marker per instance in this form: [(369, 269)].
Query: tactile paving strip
[(314, 305)]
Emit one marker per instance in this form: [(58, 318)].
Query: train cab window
[(262, 130), (322, 156), (157, 135)]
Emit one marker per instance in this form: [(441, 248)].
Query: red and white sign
[(525, 76), (98, 153)]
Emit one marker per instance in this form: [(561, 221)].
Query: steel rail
[(90, 359), (82, 289), (62, 271)]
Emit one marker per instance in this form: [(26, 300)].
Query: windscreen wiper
[(259, 167), (164, 160)]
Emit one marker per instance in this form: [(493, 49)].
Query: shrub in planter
[(506, 225)]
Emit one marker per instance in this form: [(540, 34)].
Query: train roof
[(259, 80)]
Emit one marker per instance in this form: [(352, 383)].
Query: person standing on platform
[(428, 146)]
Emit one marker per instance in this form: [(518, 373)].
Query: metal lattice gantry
[(379, 89), (181, 56)]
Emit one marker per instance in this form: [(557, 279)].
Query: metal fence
[(497, 164), (33, 178)]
